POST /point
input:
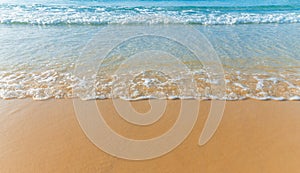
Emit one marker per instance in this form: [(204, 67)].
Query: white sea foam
[(98, 15), (294, 98), (48, 85)]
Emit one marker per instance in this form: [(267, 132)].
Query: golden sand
[(254, 136)]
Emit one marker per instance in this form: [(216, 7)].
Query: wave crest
[(101, 15)]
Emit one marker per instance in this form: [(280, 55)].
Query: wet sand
[(254, 136)]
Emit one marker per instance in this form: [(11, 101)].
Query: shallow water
[(42, 44)]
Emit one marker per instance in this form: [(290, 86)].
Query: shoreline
[(291, 99), (253, 136)]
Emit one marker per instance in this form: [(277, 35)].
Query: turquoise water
[(149, 12), (42, 43)]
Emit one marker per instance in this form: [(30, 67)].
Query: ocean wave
[(39, 14)]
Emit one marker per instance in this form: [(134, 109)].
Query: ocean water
[(44, 49), (203, 12)]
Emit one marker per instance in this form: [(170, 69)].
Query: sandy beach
[(254, 136), (71, 72)]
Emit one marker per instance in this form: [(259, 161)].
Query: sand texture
[(254, 136)]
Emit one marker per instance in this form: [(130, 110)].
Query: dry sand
[(254, 136)]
